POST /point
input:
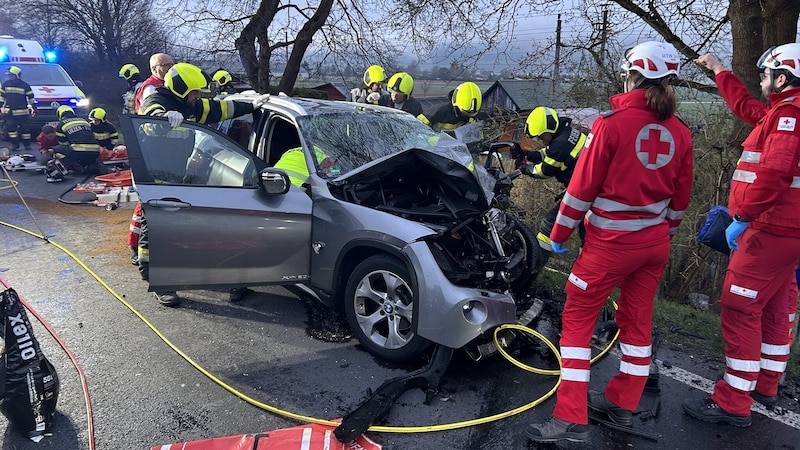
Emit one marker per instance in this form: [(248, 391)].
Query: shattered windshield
[(344, 141)]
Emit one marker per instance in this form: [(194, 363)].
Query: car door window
[(191, 154)]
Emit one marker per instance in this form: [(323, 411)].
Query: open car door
[(210, 222)]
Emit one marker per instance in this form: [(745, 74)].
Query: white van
[(51, 84)]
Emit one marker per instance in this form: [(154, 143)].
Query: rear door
[(209, 223)]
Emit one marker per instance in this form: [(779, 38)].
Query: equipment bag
[(31, 383), (712, 233)]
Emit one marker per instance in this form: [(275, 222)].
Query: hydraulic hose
[(309, 419)]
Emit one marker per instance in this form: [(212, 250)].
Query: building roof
[(524, 95)]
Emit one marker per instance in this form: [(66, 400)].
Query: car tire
[(381, 308), (522, 237)]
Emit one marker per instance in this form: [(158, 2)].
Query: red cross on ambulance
[(655, 146), (47, 89)]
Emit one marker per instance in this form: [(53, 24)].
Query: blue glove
[(558, 247), (733, 231)]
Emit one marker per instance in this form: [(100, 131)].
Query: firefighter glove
[(374, 97), (175, 118), (558, 247), (260, 100), (733, 231), (527, 169)]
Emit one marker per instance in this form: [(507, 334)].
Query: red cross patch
[(655, 146)]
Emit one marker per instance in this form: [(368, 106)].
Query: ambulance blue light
[(50, 56), (3, 54)]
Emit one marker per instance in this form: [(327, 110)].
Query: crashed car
[(394, 225)]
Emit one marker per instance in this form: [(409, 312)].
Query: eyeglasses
[(167, 65)]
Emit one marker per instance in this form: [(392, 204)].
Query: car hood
[(449, 158)]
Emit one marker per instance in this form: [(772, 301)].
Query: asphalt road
[(275, 349)]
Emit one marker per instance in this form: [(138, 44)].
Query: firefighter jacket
[(146, 88), (411, 106), (202, 111), (106, 134), (559, 158), (15, 95), (765, 189), (633, 179), (446, 118), (76, 132)]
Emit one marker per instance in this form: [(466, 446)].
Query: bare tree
[(115, 31)]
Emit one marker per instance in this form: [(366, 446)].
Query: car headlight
[(82, 103)]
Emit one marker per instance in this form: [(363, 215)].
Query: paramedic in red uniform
[(631, 188), (765, 239), (752, 111)]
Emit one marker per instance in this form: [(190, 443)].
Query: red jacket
[(766, 183), (634, 178), (45, 143), (150, 81)]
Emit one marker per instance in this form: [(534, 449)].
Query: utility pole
[(604, 36), (557, 64)]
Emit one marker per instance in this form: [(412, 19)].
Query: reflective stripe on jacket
[(633, 179)]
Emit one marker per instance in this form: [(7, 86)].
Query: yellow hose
[(308, 419)]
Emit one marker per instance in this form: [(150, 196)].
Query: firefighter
[(631, 188), (765, 239), (17, 100), (224, 82), (77, 146), (561, 146), (400, 86), (160, 63), (178, 100), (131, 74), (104, 132), (463, 108), (374, 77)]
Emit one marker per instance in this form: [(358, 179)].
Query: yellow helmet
[(541, 120), (64, 109), (401, 82), (374, 74), (14, 70), (97, 113), (183, 78), (222, 77), (128, 70), (467, 98)]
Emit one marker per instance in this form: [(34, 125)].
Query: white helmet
[(653, 60), (786, 56)]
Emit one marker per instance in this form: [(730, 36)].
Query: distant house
[(522, 95), (335, 91)]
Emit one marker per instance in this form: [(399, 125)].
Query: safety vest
[(293, 162)]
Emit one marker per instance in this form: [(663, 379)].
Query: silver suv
[(394, 224)]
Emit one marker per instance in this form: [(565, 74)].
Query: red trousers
[(758, 297), (135, 228), (596, 272)]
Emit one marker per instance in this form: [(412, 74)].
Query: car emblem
[(54, 104)]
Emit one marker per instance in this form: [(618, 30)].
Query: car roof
[(301, 106)]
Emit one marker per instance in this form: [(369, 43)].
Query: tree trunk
[(301, 43), (256, 61)]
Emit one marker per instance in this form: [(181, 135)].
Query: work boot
[(167, 298), (767, 401), (237, 294), (144, 270), (599, 403), (707, 410), (554, 430), (134, 256)]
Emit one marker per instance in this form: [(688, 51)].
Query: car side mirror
[(275, 181)]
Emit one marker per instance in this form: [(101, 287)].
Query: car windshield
[(353, 138), (41, 74)]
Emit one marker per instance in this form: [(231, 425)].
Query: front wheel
[(380, 304)]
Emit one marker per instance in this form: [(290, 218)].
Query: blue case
[(712, 233)]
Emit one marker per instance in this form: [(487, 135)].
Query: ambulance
[(51, 84)]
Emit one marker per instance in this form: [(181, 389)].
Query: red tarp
[(304, 437)]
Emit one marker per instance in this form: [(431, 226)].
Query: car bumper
[(453, 315)]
